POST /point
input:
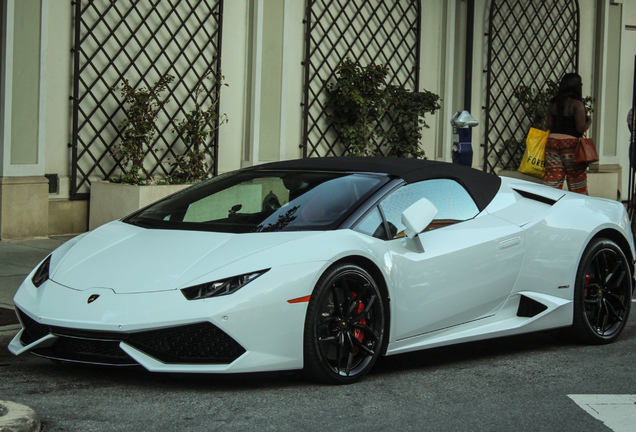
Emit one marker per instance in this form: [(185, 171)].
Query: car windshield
[(261, 201)]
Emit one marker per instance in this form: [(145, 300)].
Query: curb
[(18, 418)]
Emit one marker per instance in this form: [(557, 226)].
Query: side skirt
[(524, 312)]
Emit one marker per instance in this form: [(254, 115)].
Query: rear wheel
[(603, 291), (344, 328)]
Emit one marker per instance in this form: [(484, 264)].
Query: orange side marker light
[(299, 300)]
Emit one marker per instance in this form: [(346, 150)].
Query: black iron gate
[(140, 41), (381, 31), (529, 43)]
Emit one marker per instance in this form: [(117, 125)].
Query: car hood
[(130, 259)]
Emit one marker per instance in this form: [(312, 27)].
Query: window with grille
[(381, 32), (140, 41), (529, 43)]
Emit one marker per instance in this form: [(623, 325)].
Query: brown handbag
[(585, 150)]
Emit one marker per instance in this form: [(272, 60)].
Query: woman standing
[(567, 121)]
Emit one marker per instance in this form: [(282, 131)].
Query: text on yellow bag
[(533, 162)]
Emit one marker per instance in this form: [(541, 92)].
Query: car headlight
[(220, 288), (42, 273)]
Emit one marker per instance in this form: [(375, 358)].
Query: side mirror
[(418, 216)]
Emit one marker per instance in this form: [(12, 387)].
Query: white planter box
[(112, 201)]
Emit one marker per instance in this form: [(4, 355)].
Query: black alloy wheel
[(603, 293), (345, 325)]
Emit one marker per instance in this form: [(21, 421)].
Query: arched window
[(529, 43), (140, 41), (381, 32)]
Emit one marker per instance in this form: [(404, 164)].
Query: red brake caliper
[(359, 334), (586, 282)]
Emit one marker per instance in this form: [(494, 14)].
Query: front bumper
[(253, 330), (188, 344)]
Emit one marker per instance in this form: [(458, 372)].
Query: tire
[(345, 325), (602, 294)]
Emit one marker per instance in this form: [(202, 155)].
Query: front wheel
[(603, 291), (344, 328)]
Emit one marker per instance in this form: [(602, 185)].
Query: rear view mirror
[(418, 216)]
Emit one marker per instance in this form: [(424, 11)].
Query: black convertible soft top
[(482, 186)]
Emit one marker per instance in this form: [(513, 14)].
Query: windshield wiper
[(143, 223)]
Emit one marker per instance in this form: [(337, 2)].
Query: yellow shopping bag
[(533, 162)]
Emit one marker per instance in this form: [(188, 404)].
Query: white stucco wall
[(432, 77), (630, 12), (292, 79), (233, 64), (271, 128), (626, 87), (24, 71), (58, 90), (442, 54)]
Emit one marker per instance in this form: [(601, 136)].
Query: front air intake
[(199, 343)]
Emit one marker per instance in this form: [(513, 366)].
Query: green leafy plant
[(195, 130), (408, 110), (138, 129), (367, 113), (357, 102), (535, 103)]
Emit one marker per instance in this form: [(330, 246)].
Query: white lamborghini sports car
[(325, 264)]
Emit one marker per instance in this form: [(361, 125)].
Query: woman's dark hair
[(569, 87)]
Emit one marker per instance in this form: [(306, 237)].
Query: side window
[(451, 199), (372, 225)]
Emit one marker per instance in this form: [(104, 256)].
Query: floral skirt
[(560, 165)]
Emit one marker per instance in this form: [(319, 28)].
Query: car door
[(465, 268)]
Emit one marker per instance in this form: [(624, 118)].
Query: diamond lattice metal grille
[(380, 31), (140, 41), (529, 43)]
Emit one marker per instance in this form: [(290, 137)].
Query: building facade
[(63, 60)]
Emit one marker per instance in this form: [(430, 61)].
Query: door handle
[(507, 244)]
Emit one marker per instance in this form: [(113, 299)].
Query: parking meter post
[(462, 151)]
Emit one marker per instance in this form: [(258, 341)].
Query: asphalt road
[(512, 384)]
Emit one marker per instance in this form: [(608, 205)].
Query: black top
[(480, 185), (567, 127)]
